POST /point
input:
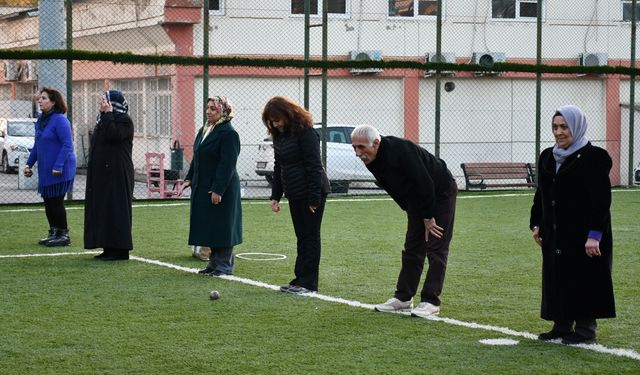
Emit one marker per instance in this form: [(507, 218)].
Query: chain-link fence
[(475, 110)]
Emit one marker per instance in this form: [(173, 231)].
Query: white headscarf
[(577, 122)]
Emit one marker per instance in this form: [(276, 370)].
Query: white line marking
[(499, 342), (47, 254), (266, 202), (620, 352), (261, 256)]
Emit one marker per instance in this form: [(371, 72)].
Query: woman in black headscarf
[(110, 180)]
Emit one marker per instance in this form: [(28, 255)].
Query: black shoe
[(207, 271), (576, 338), (50, 236), (102, 255), (115, 255), (285, 288), (61, 238), (297, 289), (213, 272), (552, 335)]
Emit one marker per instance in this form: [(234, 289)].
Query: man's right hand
[(275, 206), (27, 171)]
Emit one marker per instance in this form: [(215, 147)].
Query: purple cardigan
[(53, 150)]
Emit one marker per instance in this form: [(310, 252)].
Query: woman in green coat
[(216, 213)]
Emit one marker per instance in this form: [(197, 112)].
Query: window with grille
[(133, 91), (159, 103)]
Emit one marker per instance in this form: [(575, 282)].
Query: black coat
[(213, 169), (567, 205), (298, 171), (110, 180), (412, 176)]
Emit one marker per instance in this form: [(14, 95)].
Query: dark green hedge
[(129, 58)]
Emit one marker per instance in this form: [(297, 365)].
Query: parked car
[(343, 166), (636, 175), (16, 139)]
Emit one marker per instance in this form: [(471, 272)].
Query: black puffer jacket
[(298, 171)]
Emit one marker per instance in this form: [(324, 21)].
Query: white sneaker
[(425, 309), (394, 304), (201, 252)]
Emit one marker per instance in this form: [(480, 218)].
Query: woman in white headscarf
[(571, 221), (216, 213)]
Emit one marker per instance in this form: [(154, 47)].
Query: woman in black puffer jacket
[(299, 175)]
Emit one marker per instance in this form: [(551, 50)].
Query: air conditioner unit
[(365, 56), (10, 70), (23, 70), (487, 60), (32, 74), (593, 59), (443, 57)]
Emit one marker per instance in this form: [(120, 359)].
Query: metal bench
[(498, 175)]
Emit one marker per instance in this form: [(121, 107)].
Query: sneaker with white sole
[(394, 305), (425, 309)]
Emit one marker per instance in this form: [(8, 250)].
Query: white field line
[(265, 201), (620, 352)]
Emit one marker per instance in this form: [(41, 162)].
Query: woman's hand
[(27, 171), (592, 247), (185, 184), (275, 206), (536, 236), (216, 198), (56, 172), (104, 105)]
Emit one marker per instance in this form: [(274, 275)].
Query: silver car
[(16, 139), (343, 167)]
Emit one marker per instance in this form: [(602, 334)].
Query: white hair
[(368, 131)]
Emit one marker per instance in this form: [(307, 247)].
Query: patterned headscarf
[(117, 100), (222, 105), (577, 122)]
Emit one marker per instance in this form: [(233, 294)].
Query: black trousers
[(56, 214), (436, 250), (307, 228)]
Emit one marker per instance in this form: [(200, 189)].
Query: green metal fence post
[(538, 83), (205, 53), (632, 90), (438, 78)]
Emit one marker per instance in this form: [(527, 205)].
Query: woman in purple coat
[(53, 150)]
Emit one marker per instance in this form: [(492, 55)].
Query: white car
[(16, 139), (343, 166)]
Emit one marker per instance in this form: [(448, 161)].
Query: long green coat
[(213, 169)]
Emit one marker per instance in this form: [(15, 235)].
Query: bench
[(498, 175)]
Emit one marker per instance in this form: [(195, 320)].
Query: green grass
[(71, 314)]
